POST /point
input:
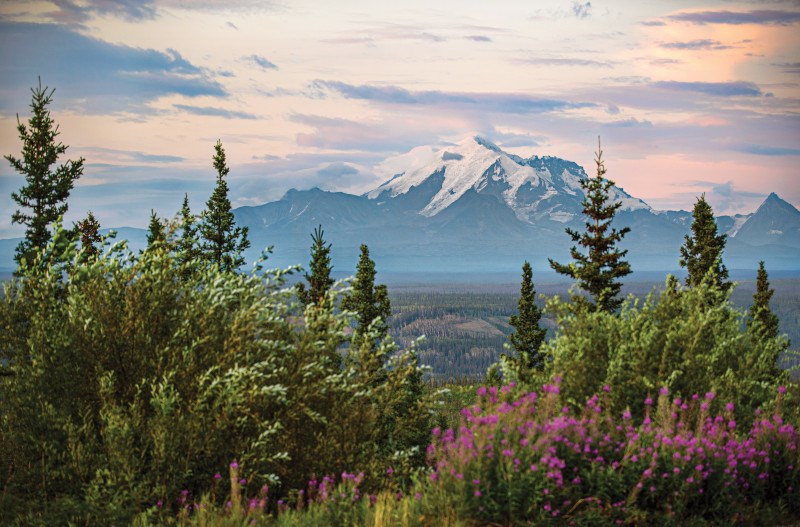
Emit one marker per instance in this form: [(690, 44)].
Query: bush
[(130, 378), (687, 339)]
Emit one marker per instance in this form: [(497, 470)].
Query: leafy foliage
[(222, 242), (687, 339), (126, 382), (46, 190), (598, 270), (702, 251)]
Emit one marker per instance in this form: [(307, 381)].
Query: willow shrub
[(129, 378), (687, 339)]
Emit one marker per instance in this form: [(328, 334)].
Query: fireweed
[(528, 458)]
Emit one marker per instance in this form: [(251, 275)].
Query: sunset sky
[(688, 97)]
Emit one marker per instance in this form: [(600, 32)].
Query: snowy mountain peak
[(535, 188)]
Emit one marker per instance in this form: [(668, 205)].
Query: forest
[(170, 386)]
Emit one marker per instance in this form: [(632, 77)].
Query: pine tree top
[(600, 263)]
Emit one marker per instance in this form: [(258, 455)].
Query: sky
[(688, 97)]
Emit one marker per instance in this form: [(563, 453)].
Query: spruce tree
[(186, 248), (319, 281), (46, 189), (761, 318), (702, 251), (368, 300), (528, 337), (222, 241), (155, 230), (89, 230), (597, 271)]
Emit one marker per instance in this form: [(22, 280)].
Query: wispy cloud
[(478, 38), (261, 62), (761, 150), (788, 67), (126, 156), (497, 102), (761, 17), (719, 89), (386, 32), (566, 61), (700, 44), (214, 112), (77, 14), (123, 78)]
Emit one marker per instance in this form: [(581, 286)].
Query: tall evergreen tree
[(761, 318), (529, 336), (222, 241), (89, 230), (702, 251), (155, 230), (368, 300), (319, 281), (186, 248), (46, 190), (597, 271)]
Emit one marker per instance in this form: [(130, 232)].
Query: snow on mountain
[(535, 188)]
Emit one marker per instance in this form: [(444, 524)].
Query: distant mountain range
[(471, 207)]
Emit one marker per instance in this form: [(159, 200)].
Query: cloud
[(725, 198), (261, 62), (760, 150), (74, 14), (653, 23), (214, 112), (496, 102), (478, 38), (124, 156), (566, 61), (95, 76), (629, 123), (788, 67), (761, 17), (232, 25), (704, 44), (386, 32), (719, 89), (581, 9)]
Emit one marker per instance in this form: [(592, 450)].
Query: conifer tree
[(368, 300), (597, 271), (761, 318), (319, 281), (186, 248), (46, 190), (702, 251), (155, 230), (89, 230), (222, 241), (529, 336)]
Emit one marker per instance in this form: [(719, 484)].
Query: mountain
[(471, 207), (775, 222)]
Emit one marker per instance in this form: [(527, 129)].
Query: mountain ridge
[(472, 207)]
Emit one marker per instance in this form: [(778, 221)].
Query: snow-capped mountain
[(470, 206), (535, 189)]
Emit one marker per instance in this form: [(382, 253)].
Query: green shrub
[(129, 379), (686, 339)]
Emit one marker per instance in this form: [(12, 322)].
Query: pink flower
[(781, 389), (606, 388), (664, 391)]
